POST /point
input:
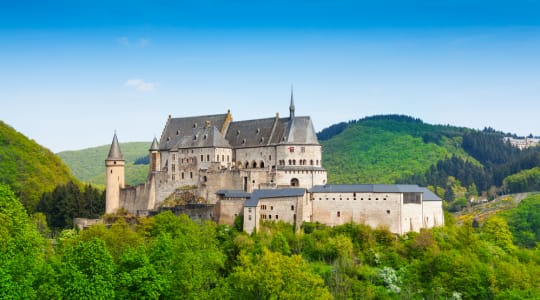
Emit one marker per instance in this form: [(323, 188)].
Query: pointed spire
[(114, 152), (291, 106), (155, 145)]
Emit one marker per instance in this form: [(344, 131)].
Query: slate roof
[(233, 193), (202, 138), (275, 193), (114, 151), (179, 128), (376, 188), (155, 145), (180, 132)]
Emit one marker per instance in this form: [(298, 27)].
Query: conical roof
[(155, 145), (114, 152)]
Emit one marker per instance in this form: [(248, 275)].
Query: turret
[(114, 168), (291, 106), (155, 157)]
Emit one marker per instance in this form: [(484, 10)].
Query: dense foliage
[(28, 168), (457, 161), (68, 201), (175, 258), (88, 165)]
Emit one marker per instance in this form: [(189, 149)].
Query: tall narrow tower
[(114, 165), (291, 106), (155, 157)]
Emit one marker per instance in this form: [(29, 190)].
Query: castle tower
[(155, 157), (114, 165)]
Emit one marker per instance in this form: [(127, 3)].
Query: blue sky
[(72, 72)]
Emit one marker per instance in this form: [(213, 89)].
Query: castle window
[(227, 158), (202, 158), (377, 199), (294, 162), (195, 125), (217, 157), (271, 208), (173, 167), (177, 132), (302, 149), (354, 194), (173, 177), (249, 217), (243, 141), (222, 157), (208, 157), (258, 130), (277, 217), (190, 174), (205, 179), (291, 149), (182, 175), (295, 182), (249, 210), (269, 157), (311, 162), (339, 214), (174, 157), (205, 136), (292, 207), (270, 217), (388, 212)]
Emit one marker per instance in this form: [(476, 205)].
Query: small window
[(190, 174), (277, 217), (292, 207), (208, 157), (202, 158), (388, 212), (270, 217), (271, 208), (339, 214), (249, 217)]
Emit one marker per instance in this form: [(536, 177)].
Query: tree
[(21, 245), (272, 275)]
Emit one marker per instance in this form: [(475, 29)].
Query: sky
[(74, 72)]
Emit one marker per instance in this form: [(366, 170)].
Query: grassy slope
[(29, 168), (88, 165), (382, 151)]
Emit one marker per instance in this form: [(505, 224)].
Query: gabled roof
[(114, 151), (179, 128), (202, 138), (376, 188), (275, 193), (233, 194)]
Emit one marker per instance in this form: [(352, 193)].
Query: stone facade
[(264, 169)]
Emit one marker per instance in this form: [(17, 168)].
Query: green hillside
[(28, 168), (88, 165), (384, 149)]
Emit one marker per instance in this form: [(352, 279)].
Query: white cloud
[(140, 85), (139, 43)]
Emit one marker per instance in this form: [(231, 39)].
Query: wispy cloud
[(137, 43), (141, 85)]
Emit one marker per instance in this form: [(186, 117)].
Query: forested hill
[(28, 168), (88, 165), (402, 149)]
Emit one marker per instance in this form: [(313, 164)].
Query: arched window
[(311, 162), (247, 164), (254, 164), (295, 182), (261, 164)]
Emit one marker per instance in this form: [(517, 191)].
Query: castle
[(264, 169)]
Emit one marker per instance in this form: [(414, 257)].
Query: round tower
[(155, 157), (114, 165)]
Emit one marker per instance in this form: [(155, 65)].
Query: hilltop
[(88, 165), (28, 168), (457, 162)]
